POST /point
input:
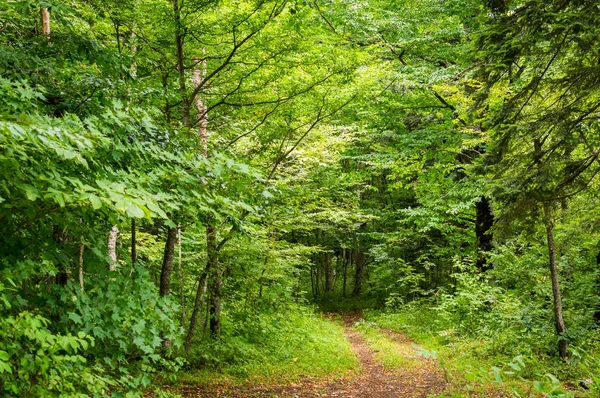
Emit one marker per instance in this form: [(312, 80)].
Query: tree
[(536, 55)]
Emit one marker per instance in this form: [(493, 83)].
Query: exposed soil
[(422, 378)]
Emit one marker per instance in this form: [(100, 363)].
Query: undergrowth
[(274, 347), (476, 367)]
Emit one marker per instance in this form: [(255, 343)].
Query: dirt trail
[(421, 378)]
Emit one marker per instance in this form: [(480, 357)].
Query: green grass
[(471, 370), (306, 344), (390, 353)]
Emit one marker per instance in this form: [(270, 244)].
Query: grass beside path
[(470, 372), (305, 345)]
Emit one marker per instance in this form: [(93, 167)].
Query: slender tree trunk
[(62, 275), (338, 264), (112, 247), (215, 304), (328, 272), (216, 284), (133, 243), (347, 256), (81, 283), (201, 109), (359, 273), (167, 109), (133, 52), (312, 283), (211, 263), (180, 271), (167, 265), (484, 221), (45, 22), (200, 292), (563, 343), (345, 271), (318, 280)]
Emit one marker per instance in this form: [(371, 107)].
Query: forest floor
[(415, 376)]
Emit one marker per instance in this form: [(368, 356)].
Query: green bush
[(107, 338), (34, 361)]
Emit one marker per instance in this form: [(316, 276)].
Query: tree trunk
[(211, 264), (484, 221), (359, 273), (216, 281), (167, 264), (338, 264), (347, 253), (328, 272), (312, 283), (81, 283), (563, 343), (112, 247), (215, 303), (180, 271), (62, 276), (200, 291), (133, 243), (45, 22), (201, 109), (317, 280)]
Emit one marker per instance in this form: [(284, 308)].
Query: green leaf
[(4, 367), (267, 194), (170, 224), (75, 318), (134, 211), (31, 192), (95, 201)]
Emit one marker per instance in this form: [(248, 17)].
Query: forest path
[(418, 377)]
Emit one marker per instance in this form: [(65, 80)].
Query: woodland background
[(186, 184)]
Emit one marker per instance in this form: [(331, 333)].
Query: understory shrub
[(86, 343)]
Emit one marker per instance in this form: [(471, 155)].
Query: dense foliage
[(182, 180)]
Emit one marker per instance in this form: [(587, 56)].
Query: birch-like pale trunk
[(212, 253), (112, 248), (45, 22), (212, 262), (81, 283), (202, 109)]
